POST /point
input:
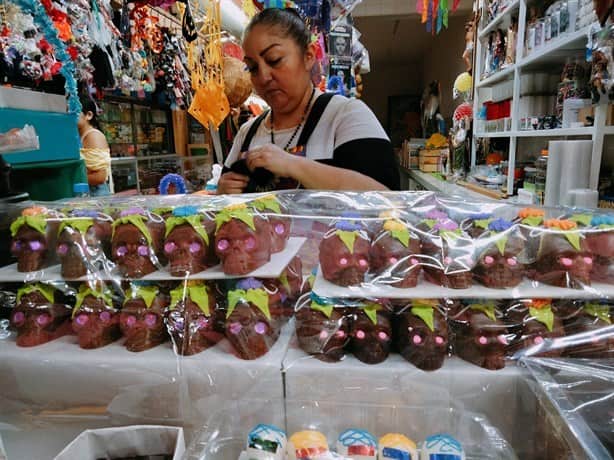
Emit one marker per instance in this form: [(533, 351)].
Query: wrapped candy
[(371, 333), (270, 206), (589, 324), (308, 445), (393, 446), (95, 319), (33, 234), (265, 442), (142, 317), (357, 445), (441, 446)]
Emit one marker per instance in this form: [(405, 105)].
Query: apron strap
[(252, 132)]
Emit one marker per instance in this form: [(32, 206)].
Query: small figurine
[(308, 445), (441, 447), (510, 52), (142, 317), (95, 319), (395, 446), (265, 442), (357, 445), (280, 224), (468, 51)]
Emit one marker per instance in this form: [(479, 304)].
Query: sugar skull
[(95, 320), (477, 224), (371, 333), (421, 334), (137, 243), (37, 317), (32, 235), (563, 258), (590, 324), (479, 336), (323, 329), (441, 446), (600, 242), (357, 445), (308, 445), (82, 242), (344, 254), (395, 255), (242, 240), (188, 243), (265, 442), (393, 446), (190, 318), (449, 255), (250, 327), (500, 264), (288, 285), (142, 317), (280, 225)]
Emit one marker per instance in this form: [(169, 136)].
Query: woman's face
[(84, 120), (279, 70)]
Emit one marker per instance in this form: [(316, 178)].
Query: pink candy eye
[(538, 340), (393, 260), (360, 334), (195, 247), (63, 249), (340, 334), (566, 261), (280, 229), (43, 319), (151, 319), (382, 335), (588, 261), (512, 261), (170, 247), (105, 316), (488, 260), (143, 250), (439, 340), (417, 339), (502, 339), (203, 322), (35, 245), (250, 243), (413, 261), (18, 318), (482, 340), (17, 245), (121, 251), (363, 263), (235, 328), (343, 261), (222, 245), (260, 328), (323, 335), (82, 320), (130, 321), (447, 260)]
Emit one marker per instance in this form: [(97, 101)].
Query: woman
[(335, 143), (94, 150)]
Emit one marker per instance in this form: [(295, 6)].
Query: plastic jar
[(529, 178), (81, 190), (541, 164)]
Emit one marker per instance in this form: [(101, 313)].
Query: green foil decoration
[(242, 214), (543, 315), (147, 293), (487, 309), (138, 221), (47, 291), (599, 311), (198, 294), (194, 221), (258, 297), (348, 238), (38, 223), (82, 225)]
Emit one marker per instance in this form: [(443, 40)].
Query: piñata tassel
[(425, 10), (429, 22), (419, 7)]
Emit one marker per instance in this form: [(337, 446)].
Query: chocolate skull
[(324, 331), (587, 323), (80, 251), (344, 263), (143, 324), (187, 250), (190, 323), (136, 255), (500, 266), (535, 322), (393, 260), (288, 286), (37, 318), (280, 225), (600, 243), (242, 249), (480, 339), (370, 340), (422, 346), (561, 264), (30, 247), (95, 321)]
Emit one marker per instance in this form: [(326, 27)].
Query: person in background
[(308, 139), (95, 150)]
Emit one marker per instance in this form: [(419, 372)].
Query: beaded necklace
[(297, 129)]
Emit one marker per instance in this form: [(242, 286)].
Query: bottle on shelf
[(541, 164)]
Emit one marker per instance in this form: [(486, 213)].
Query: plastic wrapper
[(322, 430), (19, 140)]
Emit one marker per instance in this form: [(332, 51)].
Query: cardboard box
[(430, 160), (126, 441)]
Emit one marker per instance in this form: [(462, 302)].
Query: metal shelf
[(494, 24), (584, 131)]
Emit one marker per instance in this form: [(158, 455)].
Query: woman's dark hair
[(88, 105), (288, 21)]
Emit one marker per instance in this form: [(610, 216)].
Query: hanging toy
[(175, 181), (462, 85), (188, 27)]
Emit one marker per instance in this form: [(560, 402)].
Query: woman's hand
[(232, 183), (272, 158)]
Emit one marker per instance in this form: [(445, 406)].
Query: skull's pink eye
[(340, 334), (260, 328), (203, 322), (512, 262), (105, 316), (63, 249), (235, 328), (222, 245), (195, 247), (17, 245), (82, 320), (43, 319), (35, 245), (447, 260), (360, 334), (382, 335), (566, 261), (393, 260), (588, 261), (363, 263), (538, 340), (343, 261), (121, 251), (18, 318), (130, 321), (417, 339), (488, 260), (439, 340), (323, 335), (502, 339), (482, 340), (143, 250), (151, 319), (280, 229), (170, 247), (250, 242), (413, 261)]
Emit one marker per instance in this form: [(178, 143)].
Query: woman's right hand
[(232, 183)]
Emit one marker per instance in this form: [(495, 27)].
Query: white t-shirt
[(343, 120)]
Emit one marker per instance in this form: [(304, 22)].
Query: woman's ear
[(89, 115), (310, 55)]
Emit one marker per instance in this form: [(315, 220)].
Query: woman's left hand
[(272, 158)]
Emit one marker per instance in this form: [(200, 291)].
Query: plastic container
[(81, 190), (529, 178), (541, 164)]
